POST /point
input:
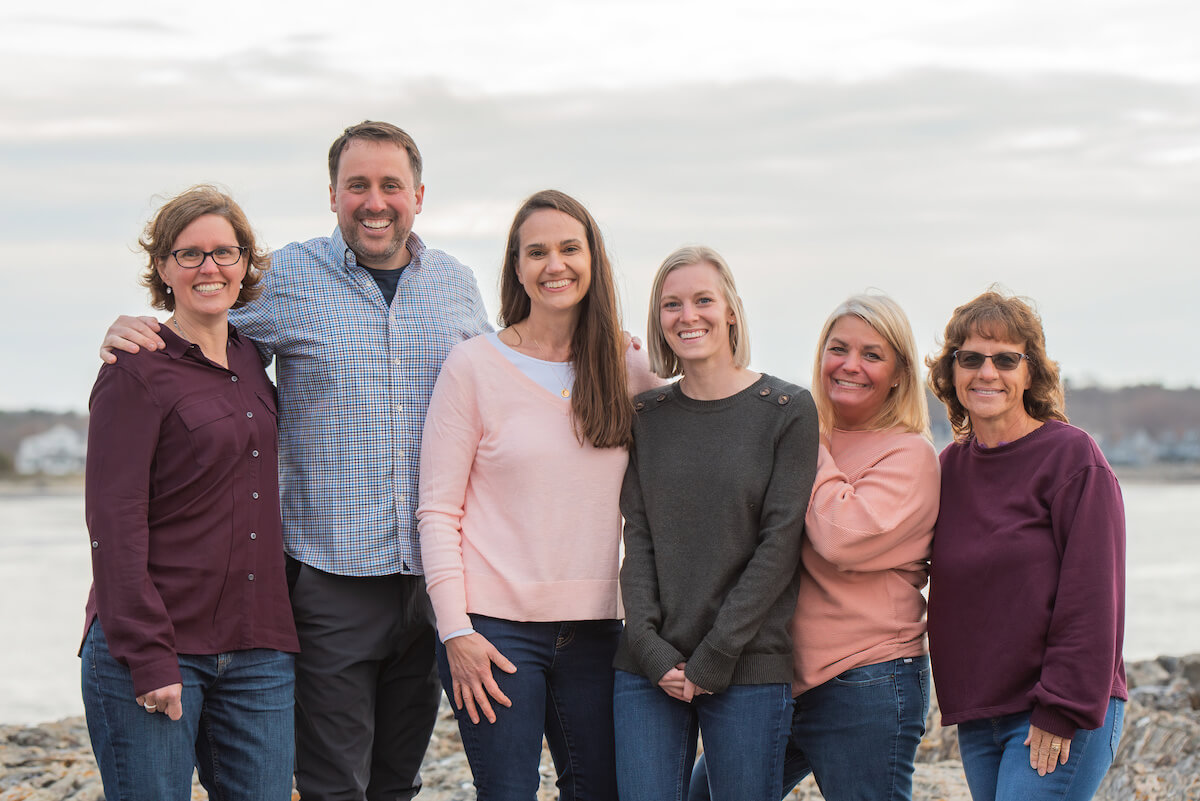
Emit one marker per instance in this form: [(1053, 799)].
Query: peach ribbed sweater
[(869, 532)]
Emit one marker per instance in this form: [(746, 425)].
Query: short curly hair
[(177, 214), (996, 316)]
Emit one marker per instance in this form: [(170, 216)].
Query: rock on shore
[(1158, 759)]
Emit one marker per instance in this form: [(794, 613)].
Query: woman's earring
[(168, 290)]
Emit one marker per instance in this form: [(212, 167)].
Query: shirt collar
[(177, 346), (415, 245)]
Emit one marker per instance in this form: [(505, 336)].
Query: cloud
[(1079, 190)]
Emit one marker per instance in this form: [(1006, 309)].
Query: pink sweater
[(869, 533), (517, 520)]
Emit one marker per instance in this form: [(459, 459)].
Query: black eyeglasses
[(971, 360), (191, 258)]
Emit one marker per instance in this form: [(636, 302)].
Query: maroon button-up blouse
[(182, 506)]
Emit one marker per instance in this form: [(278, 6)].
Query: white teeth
[(692, 334), (377, 223), (850, 384), (557, 284), (208, 287)]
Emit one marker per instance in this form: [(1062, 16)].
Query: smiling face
[(208, 290), (554, 263), (376, 200), (994, 399), (695, 316), (858, 369)]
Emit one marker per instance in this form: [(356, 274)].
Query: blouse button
[(639, 406), (764, 392), (95, 544), (253, 535), (249, 414), (254, 495), (783, 399), (251, 577), (661, 397), (254, 454), (233, 378)]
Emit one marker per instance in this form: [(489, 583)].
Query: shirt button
[(254, 454), (397, 362), (249, 414), (399, 408), (95, 544), (251, 577), (253, 535), (233, 378), (254, 495), (764, 392)]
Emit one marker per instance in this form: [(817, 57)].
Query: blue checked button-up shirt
[(354, 383)]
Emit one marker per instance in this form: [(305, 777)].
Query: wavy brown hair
[(600, 404), (178, 213), (995, 316)]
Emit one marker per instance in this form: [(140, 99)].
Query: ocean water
[(45, 571)]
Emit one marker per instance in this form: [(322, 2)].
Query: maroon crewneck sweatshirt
[(1027, 583)]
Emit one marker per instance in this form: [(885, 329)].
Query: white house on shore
[(60, 451)]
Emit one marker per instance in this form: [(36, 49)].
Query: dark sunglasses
[(971, 360)]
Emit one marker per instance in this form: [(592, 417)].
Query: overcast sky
[(924, 148)]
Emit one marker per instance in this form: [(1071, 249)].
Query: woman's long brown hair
[(600, 404)]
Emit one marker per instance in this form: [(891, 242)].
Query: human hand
[(673, 681), (167, 700), (471, 657), (691, 691), (130, 334), (1046, 751)]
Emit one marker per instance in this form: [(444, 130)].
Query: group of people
[(450, 500)]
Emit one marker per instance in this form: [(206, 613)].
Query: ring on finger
[(150, 707)]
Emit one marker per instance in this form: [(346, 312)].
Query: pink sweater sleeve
[(453, 428), (883, 518)]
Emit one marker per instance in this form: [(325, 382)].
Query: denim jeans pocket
[(867, 675)]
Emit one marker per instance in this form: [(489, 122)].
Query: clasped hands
[(677, 685)]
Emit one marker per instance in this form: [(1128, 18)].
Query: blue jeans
[(857, 733), (236, 727), (563, 689), (745, 731), (996, 760)]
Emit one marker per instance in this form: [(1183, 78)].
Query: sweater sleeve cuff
[(656, 656), (156, 674), (1050, 719), (710, 669)]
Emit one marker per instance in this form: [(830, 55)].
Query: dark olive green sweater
[(714, 500)]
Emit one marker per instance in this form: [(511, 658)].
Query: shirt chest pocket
[(213, 429)]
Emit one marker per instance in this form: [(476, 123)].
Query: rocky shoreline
[(1158, 759)]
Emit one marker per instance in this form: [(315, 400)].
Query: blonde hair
[(905, 405), (663, 360)]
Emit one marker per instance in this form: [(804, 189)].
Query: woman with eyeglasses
[(188, 647), (1027, 590)]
